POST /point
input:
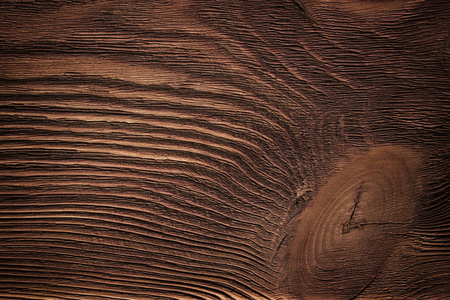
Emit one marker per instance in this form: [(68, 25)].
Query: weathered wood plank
[(168, 149)]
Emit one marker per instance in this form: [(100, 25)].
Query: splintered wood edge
[(352, 226)]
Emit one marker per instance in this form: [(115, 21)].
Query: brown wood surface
[(197, 149)]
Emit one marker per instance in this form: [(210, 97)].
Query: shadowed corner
[(352, 227)]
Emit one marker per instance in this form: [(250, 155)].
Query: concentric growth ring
[(352, 226)]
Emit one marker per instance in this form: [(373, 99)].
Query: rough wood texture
[(168, 149), (351, 228)]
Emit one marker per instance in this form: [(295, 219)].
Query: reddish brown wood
[(347, 235), (174, 149)]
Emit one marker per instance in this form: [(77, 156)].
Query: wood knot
[(352, 226)]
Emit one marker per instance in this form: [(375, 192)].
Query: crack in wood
[(351, 223)]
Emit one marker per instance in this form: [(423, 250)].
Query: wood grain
[(352, 227), (167, 149)]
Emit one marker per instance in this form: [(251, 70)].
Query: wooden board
[(187, 149)]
